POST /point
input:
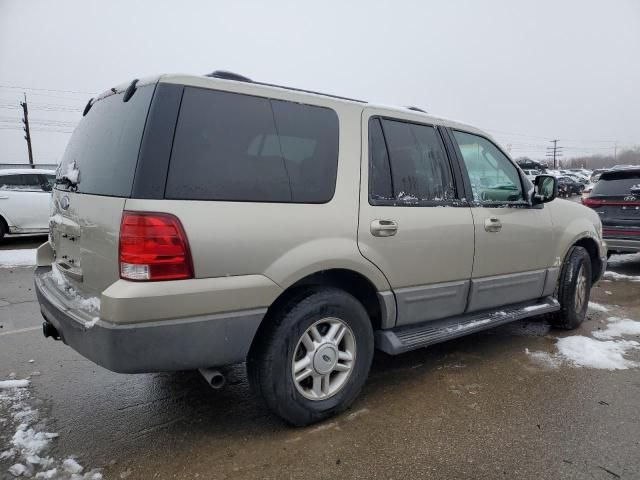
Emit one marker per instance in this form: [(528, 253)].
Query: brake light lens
[(153, 246), (591, 202)]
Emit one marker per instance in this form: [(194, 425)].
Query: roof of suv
[(298, 95), (22, 171)]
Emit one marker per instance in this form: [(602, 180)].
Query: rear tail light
[(592, 202), (153, 246)]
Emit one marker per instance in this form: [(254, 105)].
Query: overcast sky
[(526, 71)]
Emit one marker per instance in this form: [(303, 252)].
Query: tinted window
[(380, 187), (618, 183), (20, 182), (493, 177), (104, 147), (420, 169), (242, 148)]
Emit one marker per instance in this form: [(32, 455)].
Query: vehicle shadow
[(626, 264), (11, 242), (207, 413)]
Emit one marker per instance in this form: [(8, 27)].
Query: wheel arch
[(592, 248), (352, 282), (4, 223)]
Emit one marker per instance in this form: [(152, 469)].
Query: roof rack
[(226, 75), (416, 109)]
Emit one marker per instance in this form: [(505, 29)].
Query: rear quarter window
[(237, 147)]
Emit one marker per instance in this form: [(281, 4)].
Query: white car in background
[(25, 198)]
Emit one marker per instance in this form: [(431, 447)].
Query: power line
[(18, 87)]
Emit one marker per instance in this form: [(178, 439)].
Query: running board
[(410, 337)]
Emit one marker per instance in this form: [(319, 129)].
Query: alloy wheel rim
[(323, 359), (581, 290)]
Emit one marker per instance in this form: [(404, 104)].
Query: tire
[(3, 230), (575, 276), (270, 364)]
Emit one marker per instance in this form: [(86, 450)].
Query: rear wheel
[(315, 356), (573, 290)]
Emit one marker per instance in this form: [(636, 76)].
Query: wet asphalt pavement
[(478, 407)]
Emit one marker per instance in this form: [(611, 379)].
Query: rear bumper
[(166, 345), (622, 245)]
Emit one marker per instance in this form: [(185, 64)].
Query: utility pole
[(555, 152), (27, 137)]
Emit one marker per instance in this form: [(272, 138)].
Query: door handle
[(492, 224), (384, 228)]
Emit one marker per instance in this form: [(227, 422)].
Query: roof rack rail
[(226, 75), (310, 91), (416, 109)]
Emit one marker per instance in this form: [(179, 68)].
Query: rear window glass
[(238, 147), (104, 147), (618, 183)]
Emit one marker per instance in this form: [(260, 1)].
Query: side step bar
[(410, 337)]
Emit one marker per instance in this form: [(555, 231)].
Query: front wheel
[(573, 290), (313, 356)]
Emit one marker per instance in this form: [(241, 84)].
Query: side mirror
[(545, 189)]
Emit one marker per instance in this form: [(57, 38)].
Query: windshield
[(102, 153)]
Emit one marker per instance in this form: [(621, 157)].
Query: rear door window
[(237, 147), (104, 146), (408, 163)]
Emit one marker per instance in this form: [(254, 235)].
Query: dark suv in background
[(616, 198)]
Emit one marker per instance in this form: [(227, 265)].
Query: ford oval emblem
[(64, 203)]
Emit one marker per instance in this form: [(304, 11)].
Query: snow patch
[(72, 173), (24, 257), (14, 384), (620, 276), (597, 307), (618, 327), (543, 358), (532, 308), (27, 448), (467, 326), (602, 352), (76, 301), (587, 352)]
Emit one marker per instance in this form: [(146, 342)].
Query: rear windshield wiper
[(66, 181), (70, 178)]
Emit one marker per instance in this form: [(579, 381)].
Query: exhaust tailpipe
[(214, 377)]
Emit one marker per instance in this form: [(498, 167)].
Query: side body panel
[(428, 261), (25, 210), (571, 223), (282, 241), (510, 265)]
